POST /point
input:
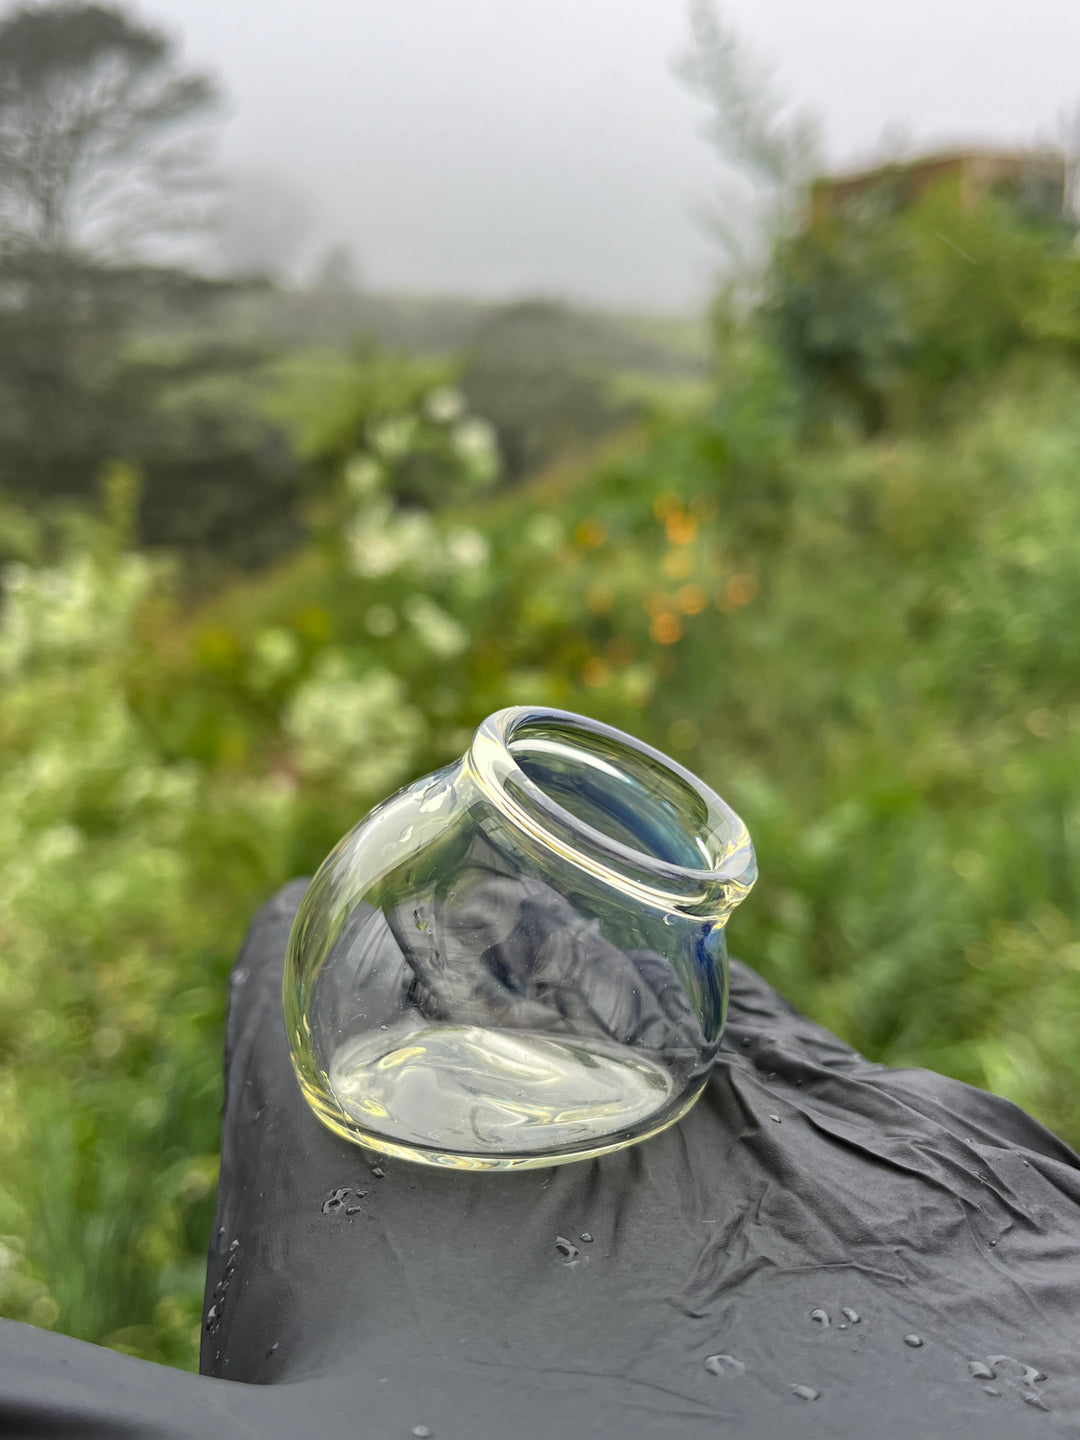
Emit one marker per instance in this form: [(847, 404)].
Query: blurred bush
[(865, 641)]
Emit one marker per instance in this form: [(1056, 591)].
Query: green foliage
[(883, 314), (869, 646)]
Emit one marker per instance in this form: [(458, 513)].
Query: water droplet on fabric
[(1035, 1401), (378, 1171), (805, 1392), (914, 1341), (212, 1317), (771, 1075), (849, 1314), (745, 1041), (422, 1432), (567, 1249), (334, 1203), (993, 1243), (353, 1209), (235, 1245), (585, 1238), (820, 1317), (221, 1231), (980, 1371), (798, 1081), (776, 1118), (991, 1390), (272, 1348), (406, 835), (419, 921), (1003, 1364), (724, 1365), (1026, 1162)]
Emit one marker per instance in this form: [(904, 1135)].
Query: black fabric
[(729, 1258)]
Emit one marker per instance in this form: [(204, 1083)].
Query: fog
[(487, 147)]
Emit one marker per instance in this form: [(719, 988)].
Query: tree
[(770, 152), (98, 152)]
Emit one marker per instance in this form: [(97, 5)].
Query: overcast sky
[(491, 147)]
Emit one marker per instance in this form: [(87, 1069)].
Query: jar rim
[(721, 884)]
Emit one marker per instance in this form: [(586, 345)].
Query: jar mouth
[(615, 807)]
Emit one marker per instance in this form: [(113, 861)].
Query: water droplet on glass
[(432, 798), (980, 1371), (724, 1365), (914, 1341), (669, 919), (422, 1432), (378, 1171), (820, 1317), (849, 1314), (405, 835), (805, 1392), (421, 923), (585, 1238), (567, 1249), (1035, 1401), (335, 1202), (776, 1118)]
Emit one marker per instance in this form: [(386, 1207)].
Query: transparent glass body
[(520, 959)]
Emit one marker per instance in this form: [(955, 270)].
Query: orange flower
[(666, 629), (738, 591), (691, 599), (681, 529), (590, 534)]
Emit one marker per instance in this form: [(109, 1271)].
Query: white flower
[(384, 540), (360, 731), (380, 621), (467, 549), (445, 405), (392, 437), (363, 476), (475, 446), (441, 633)]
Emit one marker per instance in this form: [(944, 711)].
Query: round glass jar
[(520, 959)]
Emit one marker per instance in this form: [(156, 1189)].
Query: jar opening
[(612, 800)]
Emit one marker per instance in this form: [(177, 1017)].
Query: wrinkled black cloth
[(718, 1295)]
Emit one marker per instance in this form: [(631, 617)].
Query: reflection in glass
[(519, 960)]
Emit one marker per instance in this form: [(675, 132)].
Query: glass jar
[(520, 959)]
